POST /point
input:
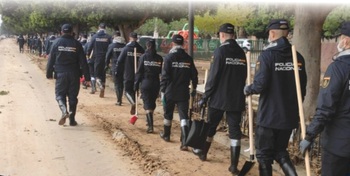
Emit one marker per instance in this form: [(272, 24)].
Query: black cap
[(102, 25), (133, 35), (280, 24), (117, 33), (67, 28), (345, 28), (227, 28), (178, 39)]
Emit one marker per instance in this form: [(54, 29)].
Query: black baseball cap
[(133, 35), (178, 39), (102, 25), (280, 24), (227, 28), (66, 28), (345, 28)]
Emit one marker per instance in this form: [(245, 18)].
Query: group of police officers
[(134, 69)]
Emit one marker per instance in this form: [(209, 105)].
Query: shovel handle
[(250, 111), (135, 67), (300, 106)]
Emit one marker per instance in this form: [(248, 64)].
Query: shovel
[(300, 106), (249, 164), (134, 117)]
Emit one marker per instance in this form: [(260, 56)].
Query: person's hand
[(193, 93), (202, 102), (304, 145), (246, 90)]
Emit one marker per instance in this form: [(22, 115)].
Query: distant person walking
[(67, 61), (177, 73), (148, 74), (113, 52), (98, 46), (20, 41), (125, 67)]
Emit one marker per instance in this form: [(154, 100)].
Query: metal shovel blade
[(246, 168)]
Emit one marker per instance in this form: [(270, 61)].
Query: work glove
[(162, 97), (305, 145), (193, 93), (202, 102), (246, 90)]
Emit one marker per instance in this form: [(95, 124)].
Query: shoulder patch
[(325, 81)]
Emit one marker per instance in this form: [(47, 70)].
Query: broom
[(134, 117)]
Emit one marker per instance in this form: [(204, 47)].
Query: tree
[(235, 13), (261, 16), (309, 20), (334, 20)]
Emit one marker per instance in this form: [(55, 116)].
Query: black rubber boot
[(287, 166), (265, 169), (184, 134), (64, 111), (166, 134), (235, 153), (93, 86), (119, 97), (72, 110), (203, 152), (150, 122)]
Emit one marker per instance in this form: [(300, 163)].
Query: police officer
[(178, 71), (48, 44), (224, 91), (125, 67), (67, 59), (332, 114), (113, 52), (20, 41), (148, 72), (99, 45), (278, 105)]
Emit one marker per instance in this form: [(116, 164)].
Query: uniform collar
[(343, 53)]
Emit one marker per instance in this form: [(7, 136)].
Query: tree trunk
[(309, 19)]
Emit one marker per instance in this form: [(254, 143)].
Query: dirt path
[(33, 140), (32, 143)]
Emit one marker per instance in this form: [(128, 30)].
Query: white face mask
[(340, 49)]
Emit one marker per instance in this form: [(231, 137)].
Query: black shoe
[(73, 123)]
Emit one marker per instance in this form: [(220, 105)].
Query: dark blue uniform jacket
[(126, 60), (333, 108), (178, 71), (67, 55), (275, 82), (227, 78), (149, 70)]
